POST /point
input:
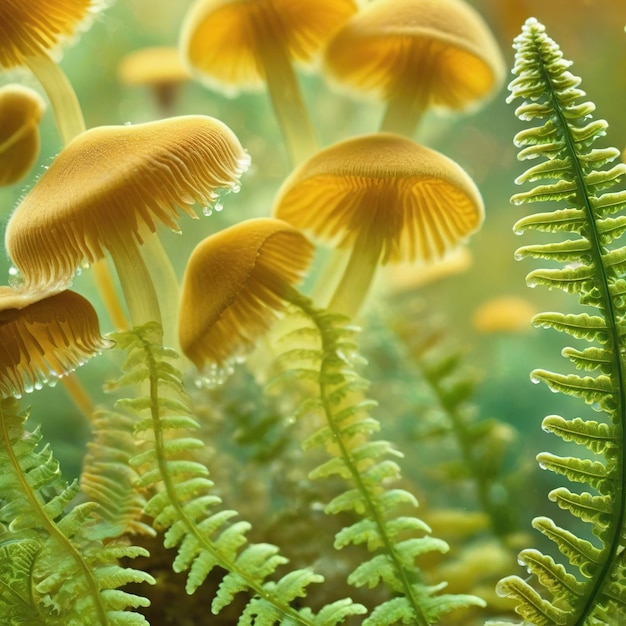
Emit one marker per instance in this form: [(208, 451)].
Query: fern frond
[(184, 506), (68, 576), (343, 427), (571, 169)]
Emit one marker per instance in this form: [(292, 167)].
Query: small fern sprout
[(108, 190), (414, 54), (233, 45), (21, 110), (44, 338), (385, 199), (32, 35)]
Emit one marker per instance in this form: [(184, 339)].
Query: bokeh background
[(590, 32)]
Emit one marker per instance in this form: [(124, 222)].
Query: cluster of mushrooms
[(378, 198)]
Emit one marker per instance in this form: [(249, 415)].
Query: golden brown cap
[(156, 65), (111, 182), (417, 201), (21, 109), (221, 38), (43, 338), (234, 286), (443, 43), (504, 314), (38, 28)]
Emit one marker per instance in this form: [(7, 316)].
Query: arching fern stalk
[(591, 589), (324, 352)]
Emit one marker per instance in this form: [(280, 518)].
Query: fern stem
[(8, 411), (192, 529), (618, 366), (374, 512)]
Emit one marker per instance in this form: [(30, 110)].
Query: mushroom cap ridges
[(234, 286), (418, 201), (112, 182), (43, 338), (444, 43), (220, 38), (40, 27)]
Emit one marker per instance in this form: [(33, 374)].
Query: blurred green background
[(589, 32)]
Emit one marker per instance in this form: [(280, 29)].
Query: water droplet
[(519, 231), (534, 379), (218, 206), (531, 282), (235, 188), (207, 210), (16, 280), (518, 256), (128, 123), (214, 376)]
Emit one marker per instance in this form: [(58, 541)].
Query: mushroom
[(21, 109), (238, 44), (413, 54), (159, 68), (384, 197), (44, 338), (108, 190), (32, 34), (236, 283)]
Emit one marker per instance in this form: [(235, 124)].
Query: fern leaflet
[(183, 503), (572, 170)]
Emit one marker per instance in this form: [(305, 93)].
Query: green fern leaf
[(570, 168)]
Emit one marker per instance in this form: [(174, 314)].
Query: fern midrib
[(617, 365), (374, 511), (50, 526), (170, 488)]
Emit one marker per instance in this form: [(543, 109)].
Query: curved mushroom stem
[(160, 268), (358, 274), (78, 394), (137, 286), (63, 100), (284, 92)]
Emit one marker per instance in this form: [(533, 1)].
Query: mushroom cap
[(38, 28), (234, 287), (504, 314), (111, 182), (443, 42), (220, 38), (417, 201), (156, 65), (43, 338), (21, 109)]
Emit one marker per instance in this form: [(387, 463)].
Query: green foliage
[(183, 505), (337, 405), (571, 169), (54, 570)]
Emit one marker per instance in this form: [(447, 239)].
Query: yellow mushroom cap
[(234, 287), (21, 109), (35, 28), (221, 38), (444, 43), (43, 338), (156, 65), (417, 202), (504, 314), (111, 182)]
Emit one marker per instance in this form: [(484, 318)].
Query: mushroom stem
[(63, 100), (106, 289), (404, 112), (137, 286), (160, 266), (284, 91), (358, 274), (71, 123), (78, 394)]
